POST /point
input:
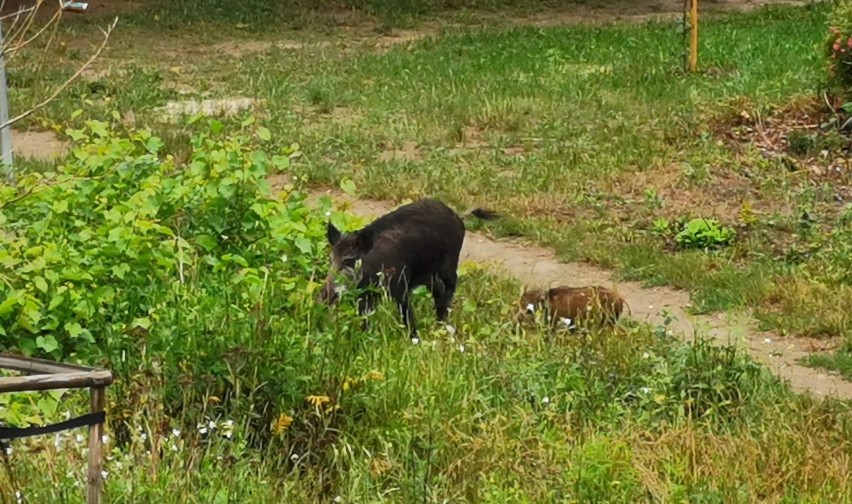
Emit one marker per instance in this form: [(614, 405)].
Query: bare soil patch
[(100, 8), (38, 145), (722, 195), (537, 266), (803, 137), (238, 49)]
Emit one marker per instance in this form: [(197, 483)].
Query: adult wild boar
[(416, 244)]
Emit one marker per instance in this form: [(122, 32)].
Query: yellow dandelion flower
[(318, 400), (374, 375), (282, 424)]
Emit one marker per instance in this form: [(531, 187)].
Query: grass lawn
[(594, 142)]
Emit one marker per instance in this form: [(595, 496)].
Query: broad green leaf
[(207, 242), (303, 244), (9, 304), (264, 134), (48, 405), (74, 329), (348, 186), (47, 343), (60, 206), (143, 322), (40, 284)]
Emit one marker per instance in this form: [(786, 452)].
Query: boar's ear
[(333, 234), (364, 241)]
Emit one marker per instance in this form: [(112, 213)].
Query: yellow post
[(693, 36)]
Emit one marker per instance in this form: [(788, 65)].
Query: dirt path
[(540, 267)]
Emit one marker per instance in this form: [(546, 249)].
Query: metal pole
[(6, 132)]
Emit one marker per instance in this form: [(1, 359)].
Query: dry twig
[(68, 82)]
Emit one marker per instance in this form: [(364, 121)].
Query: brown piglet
[(573, 306)]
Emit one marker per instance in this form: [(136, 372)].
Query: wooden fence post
[(693, 36), (96, 433)]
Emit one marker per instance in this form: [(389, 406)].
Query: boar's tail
[(481, 213)]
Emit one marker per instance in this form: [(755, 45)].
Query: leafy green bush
[(188, 281), (704, 234), (88, 250)]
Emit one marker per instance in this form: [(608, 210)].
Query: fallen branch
[(65, 84)]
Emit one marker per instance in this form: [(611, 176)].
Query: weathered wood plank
[(37, 366), (78, 379), (96, 432)]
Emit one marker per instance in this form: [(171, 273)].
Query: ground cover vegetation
[(183, 253)]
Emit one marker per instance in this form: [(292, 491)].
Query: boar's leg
[(443, 288), (407, 315), (366, 306)]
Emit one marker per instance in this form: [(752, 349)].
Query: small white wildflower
[(646, 355), (211, 424), (176, 433), (57, 440), (294, 457), (646, 390), (566, 321), (19, 496), (545, 400), (228, 434), (174, 448), (79, 438), (531, 308), (451, 330), (202, 430), (144, 436), (669, 333), (650, 307), (461, 348), (105, 439), (415, 341), (229, 423), (104, 474), (339, 289), (767, 341), (8, 451), (328, 213), (338, 499)]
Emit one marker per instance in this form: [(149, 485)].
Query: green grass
[(630, 416), (512, 415), (593, 109), (839, 361)]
